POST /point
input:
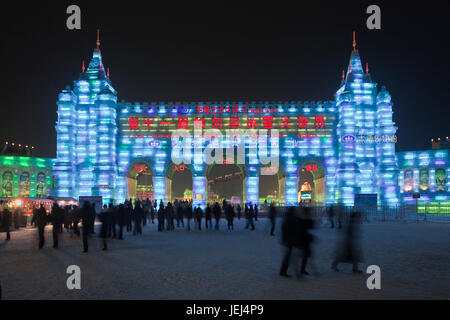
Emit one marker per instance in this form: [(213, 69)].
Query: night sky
[(221, 53)]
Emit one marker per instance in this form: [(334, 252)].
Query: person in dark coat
[(76, 217), (6, 220), (120, 213), (128, 216), (239, 210), (349, 250), (249, 214), (272, 217), (56, 216), (152, 211), (255, 211), (198, 217), (217, 211), (289, 229), (111, 220), (33, 220), (161, 218), (85, 214), (189, 215), (170, 214), (41, 220), (138, 214), (103, 216), (179, 210), (305, 238), (208, 217), (229, 214)]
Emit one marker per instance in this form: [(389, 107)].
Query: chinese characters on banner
[(266, 122)]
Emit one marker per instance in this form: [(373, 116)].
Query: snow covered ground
[(414, 259)]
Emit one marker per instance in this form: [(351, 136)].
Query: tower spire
[(98, 38), (343, 75), (354, 41), (82, 67), (367, 67), (107, 73)]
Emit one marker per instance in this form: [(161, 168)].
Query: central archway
[(311, 181), (179, 182), (225, 182), (140, 180)]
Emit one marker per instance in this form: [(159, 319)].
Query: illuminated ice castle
[(346, 145)]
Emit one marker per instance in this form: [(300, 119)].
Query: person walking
[(7, 219), (249, 216), (161, 218), (272, 217), (198, 217), (189, 215), (110, 220), (255, 211), (239, 209), (41, 220), (229, 214), (85, 214), (208, 217), (121, 219), (55, 217), (289, 229), (305, 238), (104, 218), (349, 250), (138, 214), (217, 212), (128, 216)]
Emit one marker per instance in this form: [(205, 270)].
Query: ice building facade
[(347, 145)]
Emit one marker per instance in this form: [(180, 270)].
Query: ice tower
[(365, 129), (87, 130)]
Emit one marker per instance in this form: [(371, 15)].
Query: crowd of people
[(295, 230)]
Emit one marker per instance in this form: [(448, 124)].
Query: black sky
[(254, 53)]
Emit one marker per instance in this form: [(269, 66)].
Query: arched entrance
[(140, 180), (179, 182), (225, 182), (270, 185), (311, 182)]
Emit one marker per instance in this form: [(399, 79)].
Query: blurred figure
[(103, 216), (289, 230), (340, 215), (330, 212), (255, 210), (128, 216), (110, 220), (138, 214), (272, 217), (85, 215), (41, 220), (161, 218), (198, 217), (170, 216), (76, 217), (121, 219), (217, 211), (189, 215), (208, 217), (249, 216), (229, 214), (92, 216), (349, 250), (6, 221), (305, 238), (56, 217), (239, 210)]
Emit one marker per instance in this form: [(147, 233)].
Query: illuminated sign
[(154, 143), (349, 138)]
